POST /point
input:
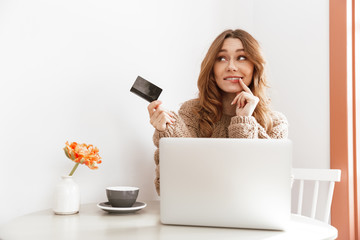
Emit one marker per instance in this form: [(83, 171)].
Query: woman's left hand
[(245, 100)]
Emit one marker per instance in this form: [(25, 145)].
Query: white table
[(94, 223)]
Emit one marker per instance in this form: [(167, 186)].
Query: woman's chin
[(232, 90)]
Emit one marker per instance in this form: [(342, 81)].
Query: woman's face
[(231, 65)]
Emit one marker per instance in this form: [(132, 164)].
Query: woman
[(232, 101)]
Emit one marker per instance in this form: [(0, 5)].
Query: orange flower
[(82, 154)]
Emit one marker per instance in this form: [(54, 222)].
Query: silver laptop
[(223, 182)]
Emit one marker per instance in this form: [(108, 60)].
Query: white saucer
[(108, 208)]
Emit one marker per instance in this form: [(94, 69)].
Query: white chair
[(315, 175)]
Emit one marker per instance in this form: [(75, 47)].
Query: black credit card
[(145, 89)]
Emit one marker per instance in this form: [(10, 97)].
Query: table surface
[(94, 223)]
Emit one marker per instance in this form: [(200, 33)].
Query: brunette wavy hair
[(210, 109)]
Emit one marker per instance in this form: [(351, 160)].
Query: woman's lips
[(233, 79)]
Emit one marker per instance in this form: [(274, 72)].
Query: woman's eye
[(221, 59), (241, 58)]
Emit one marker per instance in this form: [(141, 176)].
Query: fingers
[(159, 117), (235, 99), (240, 99), (245, 101), (153, 106), (160, 113), (244, 98), (246, 88), (161, 121)]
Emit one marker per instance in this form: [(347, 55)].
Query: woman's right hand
[(159, 117)]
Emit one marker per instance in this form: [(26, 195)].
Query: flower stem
[(74, 168)]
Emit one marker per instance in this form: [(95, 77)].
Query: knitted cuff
[(243, 119), (243, 127)]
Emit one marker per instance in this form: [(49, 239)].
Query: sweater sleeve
[(280, 127), (248, 127)]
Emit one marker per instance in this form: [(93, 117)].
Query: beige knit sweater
[(187, 125)]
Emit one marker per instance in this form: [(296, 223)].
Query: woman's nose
[(231, 66)]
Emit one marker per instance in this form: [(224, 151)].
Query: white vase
[(66, 196)]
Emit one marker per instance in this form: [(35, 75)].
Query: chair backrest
[(316, 176)]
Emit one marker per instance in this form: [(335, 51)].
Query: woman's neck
[(228, 109)]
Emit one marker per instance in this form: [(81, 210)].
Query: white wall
[(296, 44), (66, 68)]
